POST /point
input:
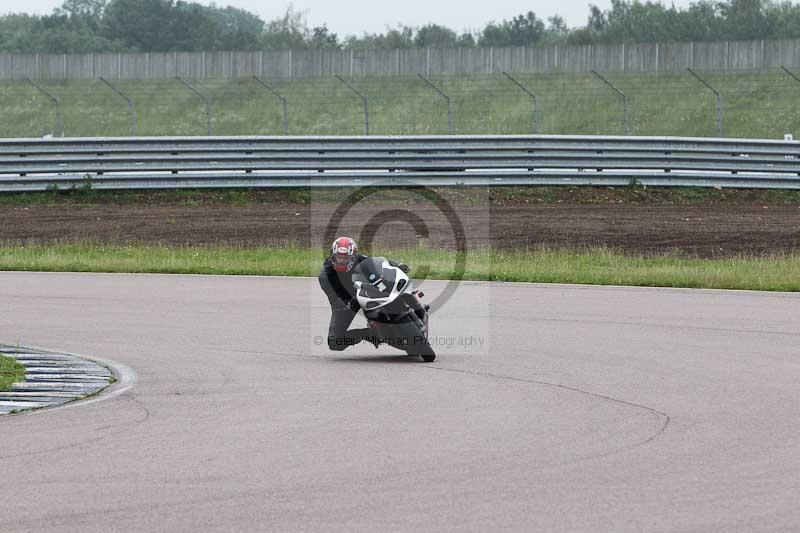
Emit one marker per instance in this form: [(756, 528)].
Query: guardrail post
[(626, 125), (716, 93), (283, 103), (446, 98), (59, 131), (131, 110), (363, 99), (533, 98), (201, 96)]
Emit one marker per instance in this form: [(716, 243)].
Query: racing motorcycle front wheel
[(418, 341), (426, 352)]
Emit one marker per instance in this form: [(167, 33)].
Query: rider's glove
[(404, 267)]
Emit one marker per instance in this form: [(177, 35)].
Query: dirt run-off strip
[(51, 379), (713, 230)]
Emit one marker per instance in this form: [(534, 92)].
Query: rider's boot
[(364, 334)]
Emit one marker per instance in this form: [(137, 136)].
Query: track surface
[(585, 409)]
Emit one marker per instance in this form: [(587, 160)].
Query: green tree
[(17, 32), (167, 25), (287, 31), (746, 19), (435, 36), (785, 19), (144, 25), (597, 19), (92, 9), (234, 20), (494, 35), (466, 40), (321, 37), (525, 30), (400, 37), (522, 30), (235, 29)]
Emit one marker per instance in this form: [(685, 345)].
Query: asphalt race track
[(584, 408)]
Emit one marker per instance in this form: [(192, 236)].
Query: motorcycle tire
[(423, 350), (427, 353)]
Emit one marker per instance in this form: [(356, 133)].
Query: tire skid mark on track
[(141, 406), (85, 442), (69, 446), (662, 415)]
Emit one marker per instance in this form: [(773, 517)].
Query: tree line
[(83, 26)]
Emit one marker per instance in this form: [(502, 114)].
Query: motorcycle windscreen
[(376, 281)]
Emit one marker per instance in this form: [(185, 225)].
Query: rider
[(334, 278)]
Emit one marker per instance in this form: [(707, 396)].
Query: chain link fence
[(750, 104)]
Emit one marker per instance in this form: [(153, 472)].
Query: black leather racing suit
[(338, 287)]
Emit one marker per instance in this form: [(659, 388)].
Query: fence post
[(658, 58), (446, 98), (427, 61), (363, 99), (352, 62), (716, 93), (201, 96), (624, 101), (131, 111), (397, 61), (283, 103), (59, 131), (533, 98)]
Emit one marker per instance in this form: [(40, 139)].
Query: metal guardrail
[(271, 162)]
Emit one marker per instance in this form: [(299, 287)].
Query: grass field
[(755, 104), (597, 267), (10, 372)]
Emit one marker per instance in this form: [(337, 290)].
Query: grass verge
[(489, 196), (595, 267), (10, 372)]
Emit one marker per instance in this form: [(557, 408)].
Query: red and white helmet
[(344, 253)]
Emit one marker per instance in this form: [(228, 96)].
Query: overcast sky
[(347, 17)]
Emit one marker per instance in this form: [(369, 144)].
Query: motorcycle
[(392, 307)]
